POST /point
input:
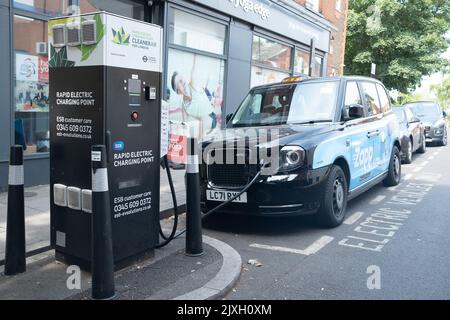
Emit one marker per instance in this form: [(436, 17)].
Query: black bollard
[(102, 248), (15, 224), (194, 240)]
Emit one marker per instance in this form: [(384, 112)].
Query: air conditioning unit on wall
[(41, 48)]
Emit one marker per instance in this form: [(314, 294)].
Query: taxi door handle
[(374, 133)]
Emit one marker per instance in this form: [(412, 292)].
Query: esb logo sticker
[(119, 146)]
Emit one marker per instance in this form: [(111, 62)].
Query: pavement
[(170, 274), (37, 210)]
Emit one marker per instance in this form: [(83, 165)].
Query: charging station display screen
[(134, 91), (134, 86)]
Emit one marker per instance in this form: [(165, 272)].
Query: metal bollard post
[(15, 225), (194, 240), (102, 248)]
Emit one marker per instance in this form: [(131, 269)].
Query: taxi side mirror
[(444, 114), (355, 111)]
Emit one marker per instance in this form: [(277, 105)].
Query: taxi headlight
[(291, 157)]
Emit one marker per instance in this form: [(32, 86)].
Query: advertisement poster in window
[(31, 91), (195, 92)]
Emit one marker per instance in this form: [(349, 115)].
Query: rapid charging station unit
[(105, 80)]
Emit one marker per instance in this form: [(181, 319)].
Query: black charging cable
[(175, 208), (173, 235)]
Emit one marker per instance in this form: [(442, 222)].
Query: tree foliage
[(442, 92), (404, 38)]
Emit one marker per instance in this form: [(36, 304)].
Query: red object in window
[(177, 148)]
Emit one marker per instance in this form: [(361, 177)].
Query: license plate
[(222, 196)]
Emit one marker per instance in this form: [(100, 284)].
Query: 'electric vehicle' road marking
[(313, 248), (353, 218), (377, 199)]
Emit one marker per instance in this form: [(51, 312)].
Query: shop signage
[(271, 15), (252, 6)]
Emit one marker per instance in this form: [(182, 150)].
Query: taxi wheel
[(334, 203), (395, 169)]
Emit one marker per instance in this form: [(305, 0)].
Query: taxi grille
[(232, 175)]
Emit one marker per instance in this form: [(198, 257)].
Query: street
[(394, 241)]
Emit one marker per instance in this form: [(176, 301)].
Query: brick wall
[(338, 19)]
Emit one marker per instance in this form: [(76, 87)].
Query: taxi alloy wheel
[(338, 197), (334, 202), (395, 169)]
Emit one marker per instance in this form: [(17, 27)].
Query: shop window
[(63, 7), (262, 76), (301, 62), (48, 7), (31, 84), (313, 5), (195, 91), (271, 53), (192, 31), (318, 67)]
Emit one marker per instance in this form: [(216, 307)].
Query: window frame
[(170, 21), (290, 71)]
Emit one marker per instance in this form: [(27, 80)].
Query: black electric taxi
[(412, 133), (431, 114), (321, 141)]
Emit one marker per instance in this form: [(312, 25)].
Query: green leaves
[(86, 50), (59, 58), (405, 39), (120, 37)]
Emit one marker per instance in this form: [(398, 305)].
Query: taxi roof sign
[(294, 79)]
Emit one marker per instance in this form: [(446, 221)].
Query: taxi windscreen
[(291, 104)]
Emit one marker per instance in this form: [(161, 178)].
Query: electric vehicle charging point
[(105, 80)]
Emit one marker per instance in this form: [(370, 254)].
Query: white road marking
[(408, 176), (417, 169), (377, 199), (313, 248), (424, 163), (430, 158), (354, 217)]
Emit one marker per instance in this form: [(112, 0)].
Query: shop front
[(215, 50)]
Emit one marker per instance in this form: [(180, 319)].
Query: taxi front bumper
[(295, 193)]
